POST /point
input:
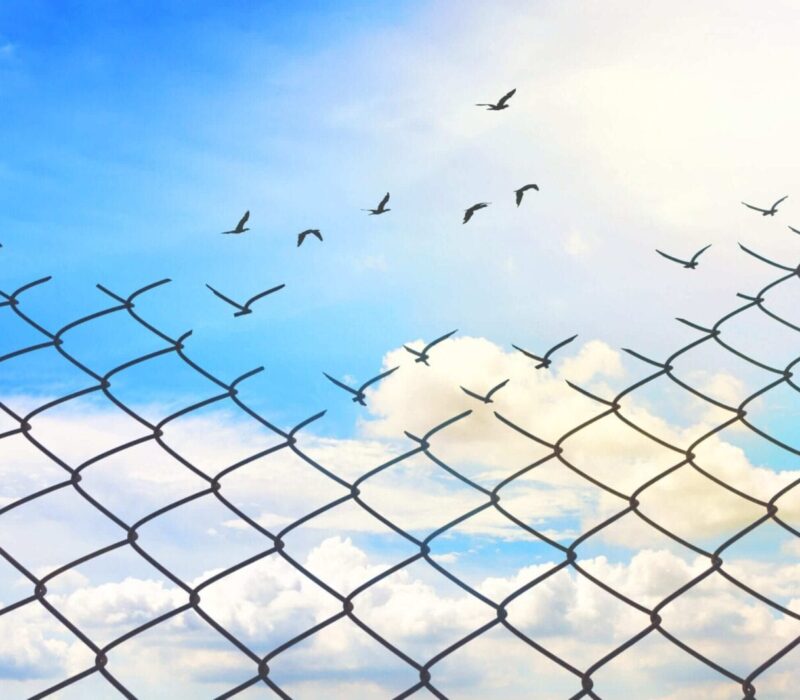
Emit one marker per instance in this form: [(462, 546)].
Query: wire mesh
[(274, 540)]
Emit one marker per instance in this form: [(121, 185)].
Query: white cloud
[(421, 612), (269, 602)]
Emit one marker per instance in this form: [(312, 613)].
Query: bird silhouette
[(688, 264), (469, 212), (381, 207), (308, 232), (793, 229), (766, 212), (245, 309), (240, 227), (502, 103), (545, 360), (521, 191), (488, 397), (358, 394), (423, 356)]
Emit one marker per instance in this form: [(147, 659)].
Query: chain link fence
[(424, 445)]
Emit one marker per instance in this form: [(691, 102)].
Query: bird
[(502, 103), (689, 265), (381, 207), (795, 230), (240, 227), (522, 191), (358, 394), (423, 356), (245, 309), (488, 397), (545, 360), (767, 212), (308, 232), (469, 212)]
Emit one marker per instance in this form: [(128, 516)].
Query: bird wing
[(779, 201), (473, 394), (317, 233), (439, 340), (341, 384), (559, 345), (261, 295), (750, 206), (414, 352), (519, 194), (483, 104), (496, 388), (791, 228), (670, 257), (469, 212), (243, 220), (505, 98), (224, 298), (700, 252), (378, 378), (300, 238), (384, 201), (528, 354)]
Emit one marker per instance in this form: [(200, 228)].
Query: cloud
[(416, 493), (421, 612)]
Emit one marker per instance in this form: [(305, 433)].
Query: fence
[(424, 445)]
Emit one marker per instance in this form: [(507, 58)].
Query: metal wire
[(274, 542)]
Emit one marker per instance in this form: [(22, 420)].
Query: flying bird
[(522, 190), (795, 230), (545, 360), (690, 264), (245, 309), (240, 227), (488, 397), (469, 212), (381, 207), (766, 212), (423, 355), (358, 394), (308, 232), (502, 103)]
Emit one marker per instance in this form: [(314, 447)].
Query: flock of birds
[(691, 263), (422, 356)]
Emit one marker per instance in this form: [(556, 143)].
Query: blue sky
[(133, 135), (120, 122)]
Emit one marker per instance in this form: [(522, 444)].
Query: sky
[(133, 135)]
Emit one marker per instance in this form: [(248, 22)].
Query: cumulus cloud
[(415, 492), (419, 610)]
